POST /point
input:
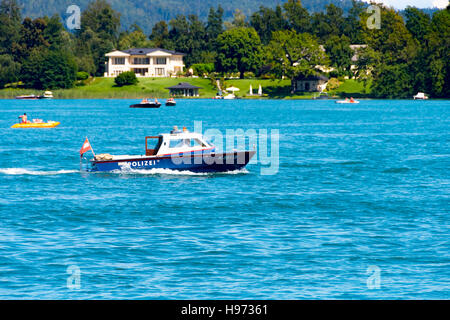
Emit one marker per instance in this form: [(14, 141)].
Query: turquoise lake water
[(359, 188)]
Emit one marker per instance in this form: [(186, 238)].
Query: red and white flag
[(86, 147)]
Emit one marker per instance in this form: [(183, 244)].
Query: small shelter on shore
[(184, 89), (311, 83)]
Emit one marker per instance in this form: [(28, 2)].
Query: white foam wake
[(159, 171), (21, 171)]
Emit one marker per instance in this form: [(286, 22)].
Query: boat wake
[(21, 171), (175, 172)]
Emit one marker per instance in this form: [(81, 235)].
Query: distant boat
[(147, 104), (260, 92), (171, 102), (27, 97), (230, 96), (47, 95), (351, 100), (420, 96)]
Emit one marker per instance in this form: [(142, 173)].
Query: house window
[(141, 60), (161, 60), (159, 71), (118, 61), (140, 71)]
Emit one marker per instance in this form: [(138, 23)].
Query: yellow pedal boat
[(49, 124)]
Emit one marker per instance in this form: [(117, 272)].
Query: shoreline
[(246, 99), (105, 88)]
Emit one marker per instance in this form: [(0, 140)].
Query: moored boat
[(420, 96), (27, 97), (178, 150), (47, 95)]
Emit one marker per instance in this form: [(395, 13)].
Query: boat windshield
[(152, 145), (186, 143)]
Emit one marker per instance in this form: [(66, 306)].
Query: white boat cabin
[(176, 142)]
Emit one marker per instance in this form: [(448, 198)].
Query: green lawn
[(105, 88), (352, 88)]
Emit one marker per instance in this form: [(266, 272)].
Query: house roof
[(183, 85), (315, 77), (145, 51)]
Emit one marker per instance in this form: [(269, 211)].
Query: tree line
[(407, 54)]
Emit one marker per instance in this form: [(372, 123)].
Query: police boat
[(177, 150)]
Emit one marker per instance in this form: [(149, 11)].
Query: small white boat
[(47, 95), (420, 96), (351, 100), (230, 96)]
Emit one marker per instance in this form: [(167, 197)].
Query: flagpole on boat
[(92, 149)]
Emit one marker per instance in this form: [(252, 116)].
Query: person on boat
[(156, 101), (144, 101), (352, 100), (175, 130), (24, 118)]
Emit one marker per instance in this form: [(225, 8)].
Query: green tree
[(214, 27), (134, 39), (266, 20), (49, 70), (98, 35), (417, 22), (9, 70), (438, 53), (160, 35), (102, 19), (202, 69), (392, 40), (32, 36), (297, 16), (188, 35), (391, 54), (239, 51), (126, 79), (10, 19), (339, 51), (329, 23), (352, 27), (54, 32), (393, 81), (239, 20), (291, 54)]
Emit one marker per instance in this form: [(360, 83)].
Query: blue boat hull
[(206, 163)]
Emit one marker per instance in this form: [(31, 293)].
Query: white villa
[(145, 62)]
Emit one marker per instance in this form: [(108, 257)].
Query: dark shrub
[(126, 79), (82, 75)]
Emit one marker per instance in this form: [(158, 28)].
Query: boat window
[(197, 143), (177, 143)]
